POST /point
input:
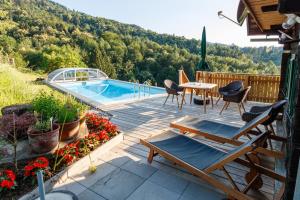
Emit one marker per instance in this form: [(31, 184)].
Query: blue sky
[(179, 17)]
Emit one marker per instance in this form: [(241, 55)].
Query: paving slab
[(168, 181), (70, 185), (195, 191), (139, 168), (151, 191), (89, 195), (117, 185), (84, 177), (115, 158)]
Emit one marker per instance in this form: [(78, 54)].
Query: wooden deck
[(149, 117)]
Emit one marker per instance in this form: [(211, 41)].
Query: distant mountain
[(44, 35)]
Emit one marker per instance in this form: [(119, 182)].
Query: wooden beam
[(247, 5)]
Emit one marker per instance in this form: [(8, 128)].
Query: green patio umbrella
[(203, 65)]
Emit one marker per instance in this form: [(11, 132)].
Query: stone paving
[(126, 176), (123, 172)]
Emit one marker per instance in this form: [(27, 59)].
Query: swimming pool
[(108, 91)]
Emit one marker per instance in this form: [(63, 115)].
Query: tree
[(101, 61), (46, 35), (54, 57), (127, 72)]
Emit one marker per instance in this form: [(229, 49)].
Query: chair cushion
[(248, 116), (193, 152), (257, 110), (227, 92)]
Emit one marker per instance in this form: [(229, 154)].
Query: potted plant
[(43, 135), (68, 119)]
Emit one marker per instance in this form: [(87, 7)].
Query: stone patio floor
[(123, 172)]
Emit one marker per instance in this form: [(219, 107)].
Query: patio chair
[(257, 110), (172, 89), (224, 133), (201, 160), (237, 97), (230, 88)]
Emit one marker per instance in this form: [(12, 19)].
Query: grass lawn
[(18, 86)]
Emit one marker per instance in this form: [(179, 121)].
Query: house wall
[(292, 127)]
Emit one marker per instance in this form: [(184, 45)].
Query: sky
[(178, 17)]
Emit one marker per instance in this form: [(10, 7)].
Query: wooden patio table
[(205, 87)]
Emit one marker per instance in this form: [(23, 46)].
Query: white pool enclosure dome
[(76, 74)]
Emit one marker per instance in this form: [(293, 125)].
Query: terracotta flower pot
[(43, 142), (69, 130)]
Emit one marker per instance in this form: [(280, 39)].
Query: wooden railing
[(264, 88)]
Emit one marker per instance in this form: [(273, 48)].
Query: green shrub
[(19, 60), (46, 105), (42, 126), (80, 107), (67, 113), (70, 110)]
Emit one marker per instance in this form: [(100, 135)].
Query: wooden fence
[(264, 88)]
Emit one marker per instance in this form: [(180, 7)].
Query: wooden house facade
[(279, 18)]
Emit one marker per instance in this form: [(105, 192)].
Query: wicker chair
[(236, 97), (172, 89), (230, 88), (257, 110)]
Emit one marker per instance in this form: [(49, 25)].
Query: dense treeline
[(43, 35)]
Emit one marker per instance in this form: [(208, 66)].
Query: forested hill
[(43, 35)]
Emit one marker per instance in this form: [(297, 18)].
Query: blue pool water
[(110, 91)]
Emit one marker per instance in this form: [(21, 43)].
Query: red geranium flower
[(103, 135), (7, 178), (7, 184), (40, 163), (10, 174)]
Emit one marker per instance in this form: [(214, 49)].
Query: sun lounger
[(201, 160), (225, 133)]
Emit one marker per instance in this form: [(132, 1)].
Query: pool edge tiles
[(71, 87)]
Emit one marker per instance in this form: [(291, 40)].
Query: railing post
[(197, 76), (180, 72), (246, 84), (205, 77), (182, 77), (246, 80)]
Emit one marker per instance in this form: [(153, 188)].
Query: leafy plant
[(42, 126), (81, 108), (67, 113), (46, 105)]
